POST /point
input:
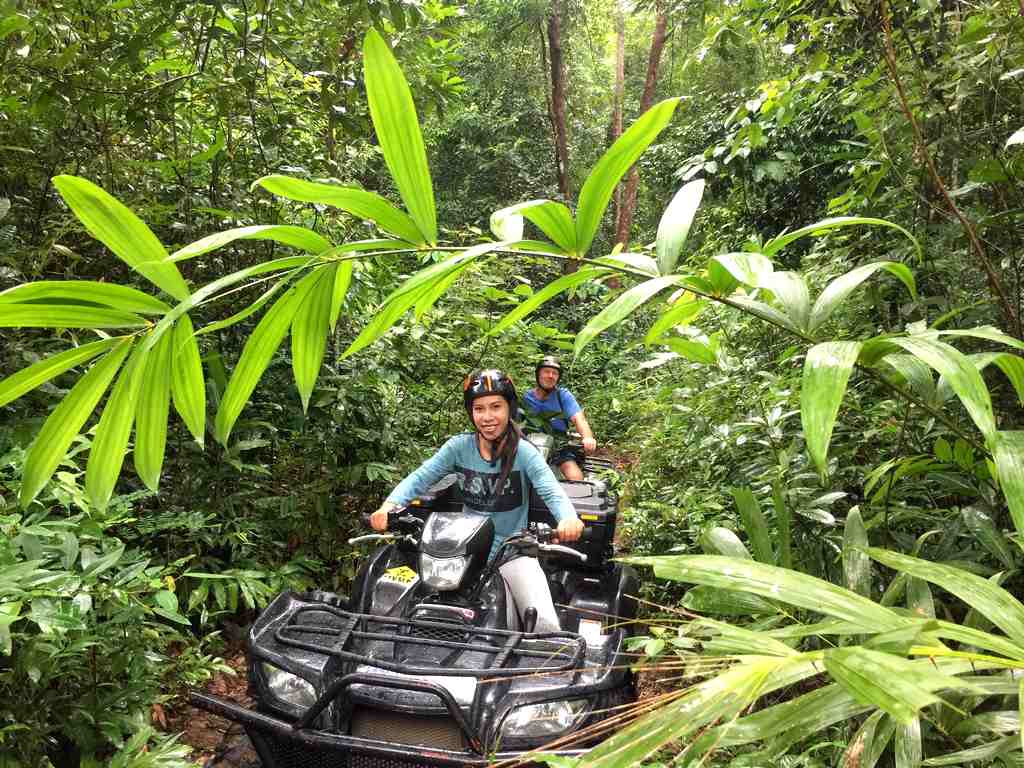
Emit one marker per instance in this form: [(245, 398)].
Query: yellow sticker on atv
[(402, 573)]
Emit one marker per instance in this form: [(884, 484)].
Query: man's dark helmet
[(548, 361), (489, 381)]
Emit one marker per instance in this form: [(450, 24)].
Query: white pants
[(529, 587)]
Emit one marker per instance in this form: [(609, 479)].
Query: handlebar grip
[(587, 535)]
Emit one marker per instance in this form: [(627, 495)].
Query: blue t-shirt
[(568, 406), (477, 477)]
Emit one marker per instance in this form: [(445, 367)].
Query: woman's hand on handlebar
[(379, 519), (570, 530)]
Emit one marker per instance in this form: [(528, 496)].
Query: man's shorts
[(567, 453)]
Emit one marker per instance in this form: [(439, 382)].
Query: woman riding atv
[(501, 493)]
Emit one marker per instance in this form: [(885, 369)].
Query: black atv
[(429, 663)]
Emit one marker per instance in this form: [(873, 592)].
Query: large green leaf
[(748, 268), (721, 541), (915, 372), (695, 350), (398, 131), (765, 312), (309, 332), (553, 219), (597, 189), (385, 318), (1008, 453), (106, 456), (981, 754), (545, 294), (66, 421), (790, 291), (837, 291), (675, 225), (286, 234), (907, 751), (75, 292), (622, 308), (423, 288), (896, 685), (754, 524), (961, 374), (774, 583), (151, 413), (440, 270), (187, 386), (856, 563), (1007, 362), (827, 370), (685, 309), (990, 600), (66, 316), (985, 332), (124, 233), (259, 349), (358, 202), (27, 379), (825, 226), (726, 602), (342, 281)]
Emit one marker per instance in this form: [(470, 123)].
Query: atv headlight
[(536, 721), (442, 573), (289, 688)]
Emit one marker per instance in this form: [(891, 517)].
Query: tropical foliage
[(740, 326)]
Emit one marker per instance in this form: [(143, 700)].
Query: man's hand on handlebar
[(570, 530), (589, 445)]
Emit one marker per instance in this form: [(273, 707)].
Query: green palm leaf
[(188, 389), (309, 332), (827, 369), (961, 374), (682, 312), (256, 355), (27, 379), (124, 233), (609, 170), (108, 447), (358, 202), (78, 292), (286, 234), (754, 524), (66, 421), (674, 226), (623, 307), (342, 281), (837, 291), (774, 583), (545, 294), (990, 600), (826, 226), (398, 131), (790, 291), (64, 316), (1008, 453), (151, 413)]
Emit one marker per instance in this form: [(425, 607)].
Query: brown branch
[(995, 285)]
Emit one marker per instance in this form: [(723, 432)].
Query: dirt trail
[(217, 742)]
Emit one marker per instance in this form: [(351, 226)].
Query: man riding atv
[(549, 397)]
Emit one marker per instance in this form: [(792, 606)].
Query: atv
[(429, 663)]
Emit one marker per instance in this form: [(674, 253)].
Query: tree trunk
[(625, 222), (558, 100)]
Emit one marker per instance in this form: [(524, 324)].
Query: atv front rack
[(560, 651)]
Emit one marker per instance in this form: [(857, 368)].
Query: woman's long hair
[(508, 446)]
